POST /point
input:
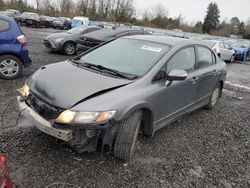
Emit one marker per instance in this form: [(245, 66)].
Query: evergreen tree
[(241, 28), (211, 21), (1, 4)]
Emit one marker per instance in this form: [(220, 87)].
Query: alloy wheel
[(215, 96), (70, 49), (9, 67)]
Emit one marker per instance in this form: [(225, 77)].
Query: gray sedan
[(66, 42), (105, 97)]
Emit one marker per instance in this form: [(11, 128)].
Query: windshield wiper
[(111, 71), (102, 68), (75, 62)]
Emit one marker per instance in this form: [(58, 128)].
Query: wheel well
[(13, 54), (222, 85), (69, 42), (147, 122)]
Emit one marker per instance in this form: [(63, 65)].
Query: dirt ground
[(202, 149)]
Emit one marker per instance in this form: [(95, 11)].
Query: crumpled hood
[(63, 84)]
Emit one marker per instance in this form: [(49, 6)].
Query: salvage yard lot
[(204, 148)]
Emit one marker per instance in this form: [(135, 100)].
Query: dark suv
[(95, 38)]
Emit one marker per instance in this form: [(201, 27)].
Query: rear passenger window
[(222, 45), (205, 57), (183, 60), (4, 25)]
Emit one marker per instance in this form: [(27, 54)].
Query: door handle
[(194, 79), (214, 72)]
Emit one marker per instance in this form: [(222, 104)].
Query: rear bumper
[(24, 53), (42, 124)]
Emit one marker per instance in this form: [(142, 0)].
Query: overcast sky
[(195, 10)]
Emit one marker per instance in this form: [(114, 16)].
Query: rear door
[(225, 52), (207, 73), (4, 37)]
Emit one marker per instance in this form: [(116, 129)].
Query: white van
[(79, 20)]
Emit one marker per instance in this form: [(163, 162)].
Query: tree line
[(124, 11)]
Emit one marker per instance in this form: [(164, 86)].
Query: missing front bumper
[(42, 124)]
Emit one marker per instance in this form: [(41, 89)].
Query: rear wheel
[(69, 48), (10, 67), (214, 97), (126, 137)]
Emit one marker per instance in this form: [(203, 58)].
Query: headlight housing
[(75, 118)]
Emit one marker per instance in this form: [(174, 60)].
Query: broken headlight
[(24, 91), (72, 117)]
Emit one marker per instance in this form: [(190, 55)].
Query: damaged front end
[(84, 131)]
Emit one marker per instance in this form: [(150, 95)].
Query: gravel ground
[(238, 73), (202, 149)]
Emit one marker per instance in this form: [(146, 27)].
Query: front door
[(175, 99)]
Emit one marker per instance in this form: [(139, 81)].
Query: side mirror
[(176, 74)]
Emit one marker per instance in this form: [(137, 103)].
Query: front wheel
[(126, 137), (69, 48), (10, 67), (214, 97)]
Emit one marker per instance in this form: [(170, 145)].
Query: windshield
[(77, 30), (135, 57)]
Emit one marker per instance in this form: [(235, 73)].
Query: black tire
[(125, 141), (17, 65), (214, 97), (71, 51)]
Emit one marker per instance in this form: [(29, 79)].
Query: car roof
[(6, 17), (103, 33), (173, 41)]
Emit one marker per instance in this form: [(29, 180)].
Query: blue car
[(14, 55), (240, 48)]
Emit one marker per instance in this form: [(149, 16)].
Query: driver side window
[(183, 60)]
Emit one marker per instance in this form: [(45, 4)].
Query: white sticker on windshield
[(154, 49)]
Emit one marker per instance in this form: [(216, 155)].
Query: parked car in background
[(106, 96), (38, 21), (5, 181), (95, 38), (79, 20), (11, 14), (26, 15), (62, 23), (13, 11), (222, 49), (66, 42), (14, 54), (240, 48), (48, 19)]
